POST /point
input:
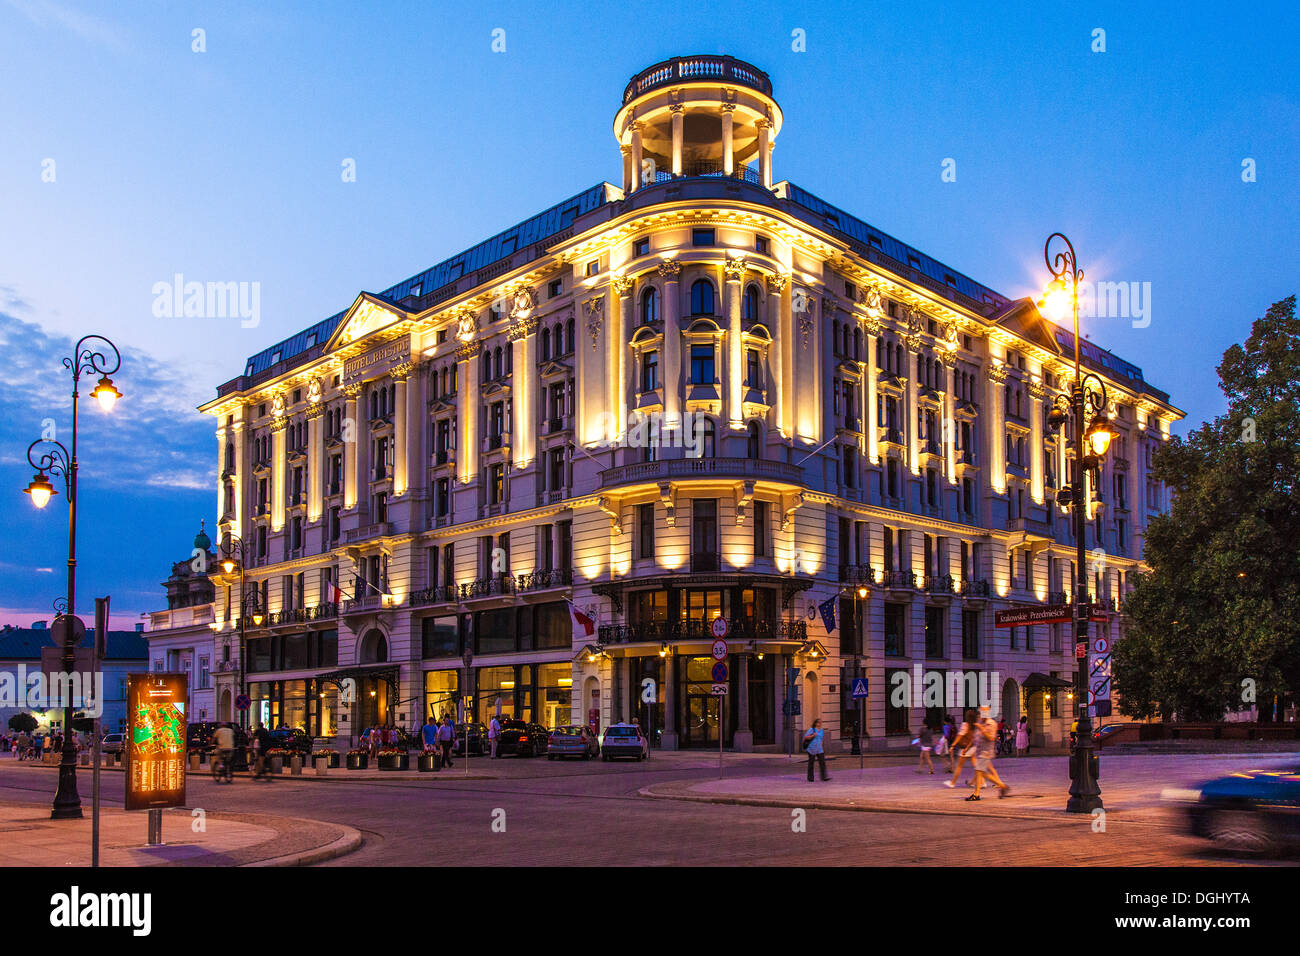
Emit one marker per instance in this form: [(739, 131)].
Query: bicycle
[(221, 768)]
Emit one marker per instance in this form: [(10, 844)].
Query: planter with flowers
[(277, 757), (329, 755), (358, 759), (430, 761), (393, 758)]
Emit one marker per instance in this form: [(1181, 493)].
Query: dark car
[(1107, 734), (624, 740), (520, 738), (477, 736), (1253, 811), (576, 740)]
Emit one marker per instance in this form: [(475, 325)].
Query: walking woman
[(963, 747), (812, 745), (986, 733), (926, 740), (1022, 737)]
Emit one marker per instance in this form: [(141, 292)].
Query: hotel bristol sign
[(377, 361)]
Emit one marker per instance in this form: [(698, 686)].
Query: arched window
[(560, 347), (750, 306), (705, 436), (568, 334), (754, 447), (497, 363), (835, 334), (702, 297), (546, 344), (487, 364), (510, 362), (857, 343), (649, 306)]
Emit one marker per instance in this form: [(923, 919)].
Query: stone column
[(636, 156), (627, 167), (668, 740), (223, 438), (997, 431), (734, 272), (523, 427), (670, 272), (315, 466), (776, 283), (401, 441), (870, 390), (910, 409), (351, 427), (788, 353), (678, 112), (623, 286), (728, 156), (949, 360), (765, 153), (242, 485), (1037, 392), (278, 476), (467, 402), (743, 740)]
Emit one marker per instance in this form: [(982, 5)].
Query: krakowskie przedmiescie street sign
[(155, 740)]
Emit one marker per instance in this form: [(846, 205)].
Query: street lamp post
[(1091, 440), (85, 358), (233, 549)]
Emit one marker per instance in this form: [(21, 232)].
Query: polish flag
[(582, 625), (335, 593)]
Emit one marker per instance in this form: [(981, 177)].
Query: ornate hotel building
[(700, 393)]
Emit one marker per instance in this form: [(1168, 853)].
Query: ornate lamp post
[(1092, 435), (232, 560), (58, 460)]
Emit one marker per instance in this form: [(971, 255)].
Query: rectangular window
[(970, 634), (897, 719), (934, 633), (555, 288), (593, 267), (702, 237), (895, 630), (704, 534), (645, 521), (762, 245), (649, 370), (641, 247), (440, 637), (761, 529), (702, 365)]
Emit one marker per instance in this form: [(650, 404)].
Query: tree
[(23, 723), (1215, 623)]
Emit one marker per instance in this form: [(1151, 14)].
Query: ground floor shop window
[(896, 701), (555, 694), (441, 693)]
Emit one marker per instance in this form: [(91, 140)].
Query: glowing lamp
[(40, 489), (106, 394)]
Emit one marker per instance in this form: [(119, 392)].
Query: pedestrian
[(945, 746), (963, 746), (926, 739), (812, 745), (494, 729), (1022, 737), (1074, 734), (429, 735), (446, 737), (38, 744), (986, 733)]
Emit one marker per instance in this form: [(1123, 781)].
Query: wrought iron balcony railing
[(544, 578)]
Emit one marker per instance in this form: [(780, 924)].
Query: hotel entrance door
[(700, 708)]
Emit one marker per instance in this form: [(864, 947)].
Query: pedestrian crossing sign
[(859, 688)]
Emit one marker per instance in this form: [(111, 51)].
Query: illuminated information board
[(155, 740)]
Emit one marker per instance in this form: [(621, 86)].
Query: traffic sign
[(719, 627), (719, 690), (1081, 650), (859, 688), (720, 671), (242, 702), (719, 648), (1101, 645)]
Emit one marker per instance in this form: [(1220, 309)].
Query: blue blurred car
[(1251, 811)]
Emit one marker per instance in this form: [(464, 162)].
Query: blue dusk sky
[(127, 158)]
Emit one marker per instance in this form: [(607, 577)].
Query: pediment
[(368, 314), (1022, 318)]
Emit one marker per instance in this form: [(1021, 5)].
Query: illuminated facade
[(700, 393)]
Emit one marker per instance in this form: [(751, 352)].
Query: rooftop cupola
[(697, 116)]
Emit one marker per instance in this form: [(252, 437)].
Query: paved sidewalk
[(31, 838), (1131, 786)]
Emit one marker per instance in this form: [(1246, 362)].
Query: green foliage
[(1221, 604), (23, 723)]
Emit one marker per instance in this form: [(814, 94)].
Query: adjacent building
[(701, 394)]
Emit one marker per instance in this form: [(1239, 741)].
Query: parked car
[(624, 740), (522, 739), (112, 743), (1107, 734), (576, 740), (1253, 811), (477, 736)]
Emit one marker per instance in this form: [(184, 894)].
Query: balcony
[(685, 468), (543, 579), (705, 562), (704, 69), (443, 457), (939, 583), (977, 588), (892, 436), (1057, 597), (738, 629), (494, 585), (856, 574), (899, 579), (379, 529), (1031, 526), (438, 594)]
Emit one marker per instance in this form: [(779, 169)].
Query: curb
[(343, 775), (347, 842), (792, 804)]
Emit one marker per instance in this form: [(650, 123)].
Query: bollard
[(194, 761), (295, 765), (277, 764), (322, 767)]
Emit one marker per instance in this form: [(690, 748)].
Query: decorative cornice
[(670, 269)]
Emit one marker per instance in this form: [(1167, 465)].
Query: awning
[(389, 673), (1037, 681)]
